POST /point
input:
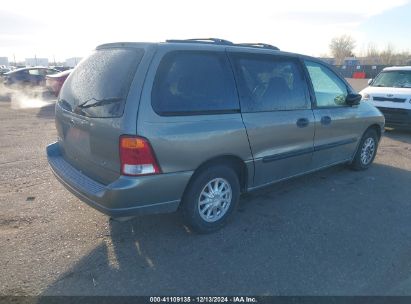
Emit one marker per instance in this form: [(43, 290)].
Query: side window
[(270, 83), (50, 72), (42, 72), (329, 89), (34, 72), (190, 82)]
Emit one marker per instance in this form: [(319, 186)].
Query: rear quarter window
[(99, 85), (194, 83)]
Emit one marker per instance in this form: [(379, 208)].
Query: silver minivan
[(189, 125)]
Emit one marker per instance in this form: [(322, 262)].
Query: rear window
[(194, 83), (99, 85)]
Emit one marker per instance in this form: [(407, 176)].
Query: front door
[(336, 132)]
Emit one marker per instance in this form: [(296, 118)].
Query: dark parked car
[(28, 76), (189, 125), (54, 82), (61, 68)]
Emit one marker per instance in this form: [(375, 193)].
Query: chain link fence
[(360, 71)]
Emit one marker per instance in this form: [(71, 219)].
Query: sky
[(63, 29)]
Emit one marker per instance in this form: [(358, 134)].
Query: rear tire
[(366, 152), (211, 199)]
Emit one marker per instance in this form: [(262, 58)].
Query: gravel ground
[(334, 232), (358, 84)]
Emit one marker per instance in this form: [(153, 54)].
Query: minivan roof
[(398, 68), (209, 42)]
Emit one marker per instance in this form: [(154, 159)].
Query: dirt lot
[(335, 232), (358, 84)]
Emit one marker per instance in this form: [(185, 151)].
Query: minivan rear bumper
[(126, 196)]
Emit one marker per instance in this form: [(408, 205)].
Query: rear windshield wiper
[(98, 102)]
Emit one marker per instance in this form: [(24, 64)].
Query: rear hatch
[(90, 108)]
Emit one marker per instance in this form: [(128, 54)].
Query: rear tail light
[(137, 157)]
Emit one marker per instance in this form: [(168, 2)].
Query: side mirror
[(353, 99), (370, 81)]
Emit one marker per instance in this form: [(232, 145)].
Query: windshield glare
[(398, 79)]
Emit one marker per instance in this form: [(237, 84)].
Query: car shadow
[(402, 135), (334, 232)]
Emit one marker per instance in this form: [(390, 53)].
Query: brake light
[(137, 157)]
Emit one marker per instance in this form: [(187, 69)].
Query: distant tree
[(372, 51), (371, 55), (341, 47), (388, 55)]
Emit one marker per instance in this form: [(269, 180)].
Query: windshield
[(396, 79), (99, 85)]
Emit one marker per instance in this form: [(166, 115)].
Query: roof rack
[(202, 40), (259, 45), (224, 42)]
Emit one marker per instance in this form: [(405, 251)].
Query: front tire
[(366, 151), (211, 199)]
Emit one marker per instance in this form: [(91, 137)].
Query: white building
[(31, 62), (72, 62)]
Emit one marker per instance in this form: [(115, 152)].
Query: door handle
[(302, 122), (325, 120)]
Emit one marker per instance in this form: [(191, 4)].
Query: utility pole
[(35, 58)]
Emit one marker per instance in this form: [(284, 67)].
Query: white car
[(390, 92)]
